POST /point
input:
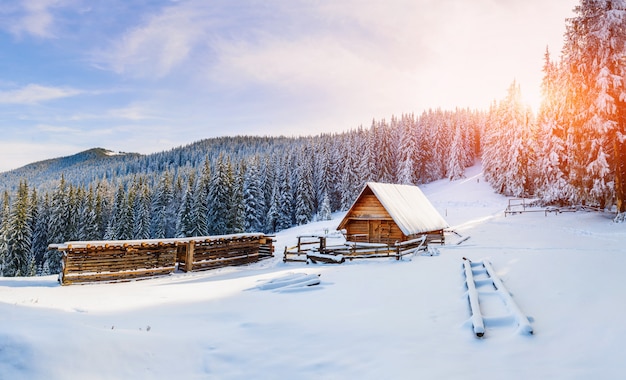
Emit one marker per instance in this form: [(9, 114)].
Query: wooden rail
[(351, 250)]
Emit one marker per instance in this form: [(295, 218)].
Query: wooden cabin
[(389, 213)]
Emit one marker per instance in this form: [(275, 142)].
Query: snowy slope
[(366, 319)]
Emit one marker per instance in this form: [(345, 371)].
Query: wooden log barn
[(390, 213), (124, 260)]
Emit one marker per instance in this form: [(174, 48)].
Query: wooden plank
[(114, 276)]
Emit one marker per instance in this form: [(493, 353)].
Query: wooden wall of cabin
[(368, 221), (374, 231), (369, 207)]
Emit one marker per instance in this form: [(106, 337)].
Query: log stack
[(125, 260)]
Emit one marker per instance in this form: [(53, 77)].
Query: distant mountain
[(61, 163), (96, 164), (49, 171)]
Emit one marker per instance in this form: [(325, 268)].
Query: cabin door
[(380, 231), (374, 231)]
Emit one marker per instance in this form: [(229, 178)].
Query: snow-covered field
[(367, 319)]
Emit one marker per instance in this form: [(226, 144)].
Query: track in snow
[(290, 282), (491, 304)]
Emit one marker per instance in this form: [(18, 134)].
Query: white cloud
[(34, 17), (132, 112), (34, 93), (156, 47)]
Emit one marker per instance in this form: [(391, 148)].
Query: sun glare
[(532, 98)]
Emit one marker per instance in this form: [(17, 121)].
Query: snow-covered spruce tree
[(384, 153), (162, 207), (201, 198), (285, 199), (178, 192), (304, 188), (367, 163), (350, 179), (552, 165), (593, 52), (432, 167), (237, 210), (40, 235), (253, 197), (74, 204), (271, 222), (5, 210), (103, 209), (456, 163), (58, 226), (507, 154), (141, 211), (220, 196), (268, 185), (121, 223), (187, 218), (336, 169), (88, 226), (19, 259), (409, 151), (324, 212), (322, 175)]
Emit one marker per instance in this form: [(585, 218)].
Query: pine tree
[(219, 197), (120, 225), (40, 235), (285, 199), (594, 48), (351, 183), (325, 211), (253, 198), (187, 219), (201, 199), (552, 181), (88, 227), (141, 212), (5, 211), (161, 208), (304, 188), (19, 259), (58, 226), (507, 154), (237, 210), (456, 167), (409, 151)]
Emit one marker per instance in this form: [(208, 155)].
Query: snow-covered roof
[(408, 207), (149, 242)]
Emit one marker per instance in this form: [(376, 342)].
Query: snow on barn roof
[(148, 242), (408, 207)]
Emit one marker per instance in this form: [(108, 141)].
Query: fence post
[(189, 257)]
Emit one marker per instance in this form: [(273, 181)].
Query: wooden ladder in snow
[(484, 268)]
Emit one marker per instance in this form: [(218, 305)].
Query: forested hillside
[(223, 185)]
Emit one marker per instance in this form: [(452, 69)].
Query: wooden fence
[(321, 252), (124, 260)]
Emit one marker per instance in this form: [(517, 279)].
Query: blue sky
[(148, 75)]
